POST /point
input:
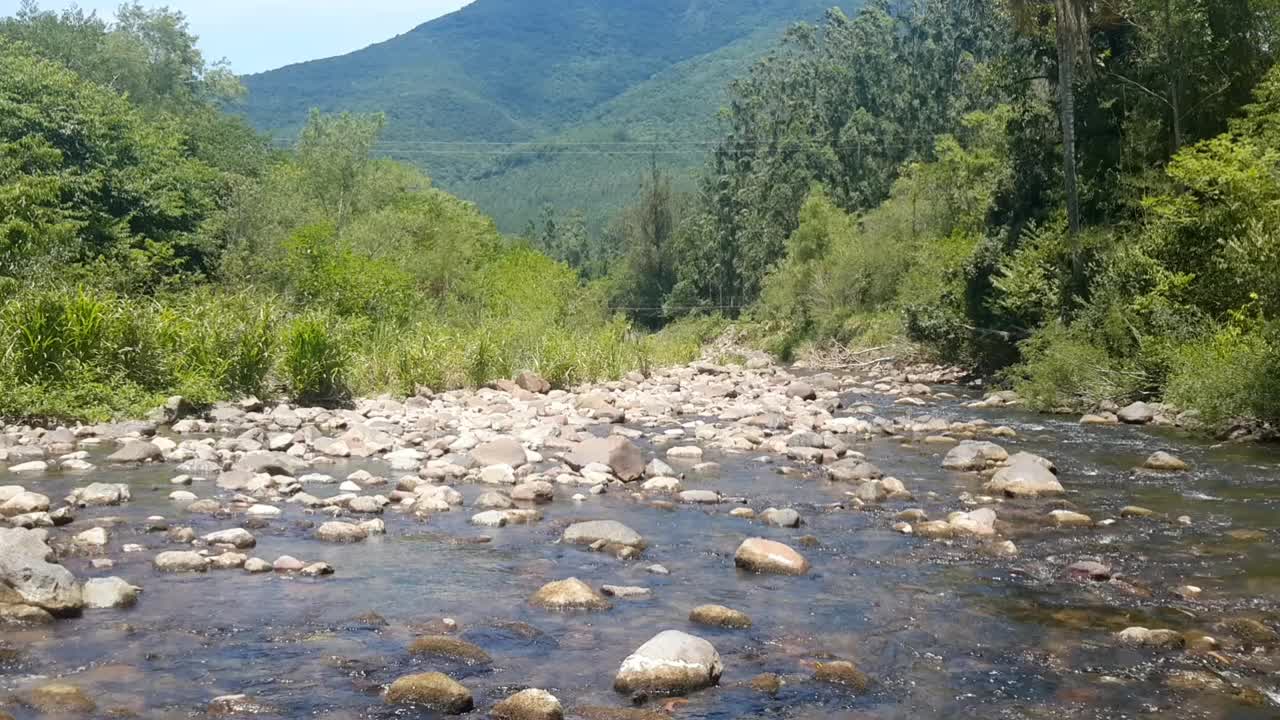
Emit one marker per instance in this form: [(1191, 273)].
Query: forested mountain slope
[(548, 73)]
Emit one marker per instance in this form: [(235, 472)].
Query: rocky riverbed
[(707, 542)]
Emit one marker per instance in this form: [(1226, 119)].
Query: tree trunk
[(1173, 66), (1067, 116)]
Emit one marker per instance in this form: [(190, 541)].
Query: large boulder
[(433, 690), (767, 556), (672, 663), (27, 566), (1026, 476), (974, 456), (533, 383), (502, 451), (611, 532), (621, 456)]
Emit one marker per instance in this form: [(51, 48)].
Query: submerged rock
[(529, 704), (449, 647), (570, 594), (1163, 461), (61, 698), (720, 616), (842, 672), (672, 663), (433, 690)]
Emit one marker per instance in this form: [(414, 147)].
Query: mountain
[(562, 72)]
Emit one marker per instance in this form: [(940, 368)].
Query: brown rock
[(529, 704), (570, 594), (720, 616), (766, 556), (57, 698), (842, 672), (453, 648), (433, 690)]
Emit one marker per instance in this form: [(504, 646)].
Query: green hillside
[(554, 71)]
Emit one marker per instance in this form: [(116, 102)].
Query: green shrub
[(315, 363), (1061, 367), (1233, 373)]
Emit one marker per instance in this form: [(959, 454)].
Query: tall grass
[(77, 354)]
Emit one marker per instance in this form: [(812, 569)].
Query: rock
[(235, 537), (238, 706), (110, 592), (448, 647), (570, 594), (1099, 419), (767, 683), (661, 484), (621, 455), (699, 497), (656, 468), (228, 561), (102, 494), (24, 615), (1164, 461), (685, 452), (610, 532), (532, 382), (529, 704), (287, 563), (434, 690), (972, 456), (29, 468), (853, 470), (672, 663), (61, 698), (595, 712), (979, 523), (24, 503), (1248, 630), (93, 538), (502, 451), (341, 532), (1157, 639), (535, 491), (1134, 511), (26, 566), (785, 518), (1089, 570), (257, 565), (1138, 413), (493, 501), (271, 463), (842, 672), (766, 556), (1026, 476), (136, 451), (181, 561), (1069, 518), (720, 616), (625, 592), (800, 390)]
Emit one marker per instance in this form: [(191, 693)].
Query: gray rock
[(974, 456), (1138, 413), (1164, 461), (502, 451), (181, 561), (136, 451), (853, 470), (609, 531), (102, 494), (784, 518), (672, 663), (341, 532), (1025, 477), (621, 456), (235, 537), (27, 566), (272, 463)]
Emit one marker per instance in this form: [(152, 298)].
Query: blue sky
[(257, 35)]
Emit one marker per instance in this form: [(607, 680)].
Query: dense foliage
[(928, 169), (151, 245)]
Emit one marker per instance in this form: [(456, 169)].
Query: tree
[(334, 152)]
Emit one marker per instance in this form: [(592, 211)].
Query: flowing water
[(943, 629)]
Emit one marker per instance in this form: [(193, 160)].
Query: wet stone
[(433, 690), (719, 616), (842, 672), (570, 594), (672, 663), (767, 683), (767, 556), (55, 698), (449, 647), (532, 704)]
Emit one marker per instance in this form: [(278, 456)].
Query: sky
[(257, 35)]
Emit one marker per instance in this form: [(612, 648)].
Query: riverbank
[(811, 538)]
